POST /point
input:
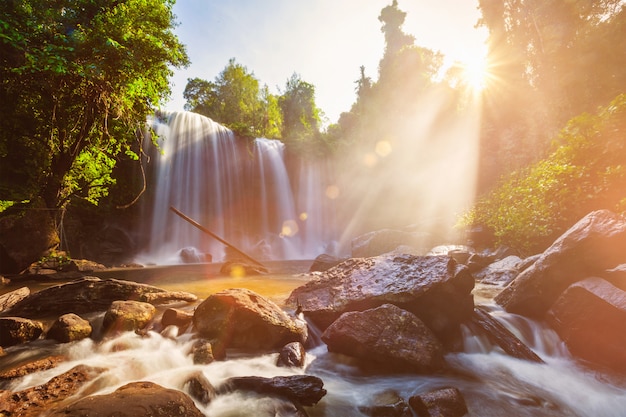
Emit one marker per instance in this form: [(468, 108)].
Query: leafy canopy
[(78, 78), (236, 100)]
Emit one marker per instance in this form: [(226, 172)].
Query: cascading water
[(492, 383), (240, 190)]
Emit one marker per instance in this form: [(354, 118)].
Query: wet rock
[(35, 401), (9, 299), (90, 294), (387, 337), (589, 316), (240, 318), (386, 240), (434, 288), (200, 388), (292, 355), (387, 404), (588, 248), (202, 352), (137, 399), (302, 389), (498, 334), (176, 317), (500, 272), (324, 262), (17, 330), (127, 316), (69, 328), (443, 402), (30, 367)]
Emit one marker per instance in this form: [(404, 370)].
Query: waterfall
[(239, 189)]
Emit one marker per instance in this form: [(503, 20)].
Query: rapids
[(492, 383)]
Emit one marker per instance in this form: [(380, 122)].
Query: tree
[(301, 117), (235, 100), (550, 60), (79, 78), (585, 171)]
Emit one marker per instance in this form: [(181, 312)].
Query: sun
[(473, 69), (476, 73)]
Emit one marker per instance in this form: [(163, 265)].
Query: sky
[(324, 41)]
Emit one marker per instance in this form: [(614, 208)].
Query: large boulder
[(136, 399), (442, 402), (594, 244), (17, 330), (90, 294), (387, 337), (434, 288), (589, 316), (69, 328), (386, 240), (9, 299), (38, 400), (240, 318), (500, 272), (301, 389), (127, 316)]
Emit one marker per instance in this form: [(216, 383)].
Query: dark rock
[(90, 294), (500, 272), (176, 317), (443, 402), (594, 244), (302, 389), (384, 241), (387, 404), (69, 328), (292, 355), (30, 367), (127, 316), (498, 334), (17, 330), (240, 318), (324, 262), (434, 288), (589, 316), (202, 352), (386, 336), (27, 233), (35, 401), (137, 399), (200, 388), (9, 299)]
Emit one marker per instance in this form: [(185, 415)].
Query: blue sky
[(325, 41)]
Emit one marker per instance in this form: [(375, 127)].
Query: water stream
[(492, 383), (240, 189)]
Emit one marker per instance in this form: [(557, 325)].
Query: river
[(492, 383)]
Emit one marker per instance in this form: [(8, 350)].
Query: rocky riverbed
[(392, 313)]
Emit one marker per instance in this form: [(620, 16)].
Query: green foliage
[(79, 77), (236, 101), (549, 61), (586, 171)]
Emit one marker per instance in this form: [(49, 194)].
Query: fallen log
[(501, 336), (216, 237)]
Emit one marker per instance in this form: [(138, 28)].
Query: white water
[(492, 383), (240, 190)]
